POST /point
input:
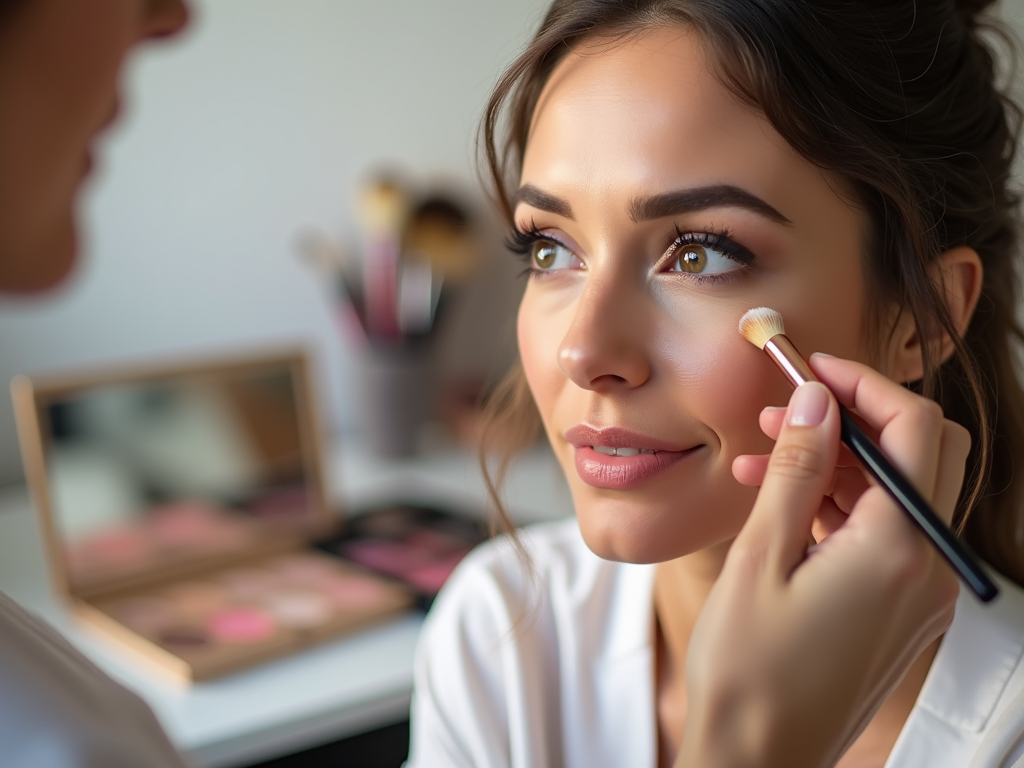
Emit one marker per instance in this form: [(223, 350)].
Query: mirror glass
[(156, 473)]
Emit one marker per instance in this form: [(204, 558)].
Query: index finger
[(771, 418), (799, 472)]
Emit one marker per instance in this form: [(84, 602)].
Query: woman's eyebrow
[(543, 201), (661, 205), (699, 199)]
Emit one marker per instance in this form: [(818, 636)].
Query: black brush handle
[(956, 553)]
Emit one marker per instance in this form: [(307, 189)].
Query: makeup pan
[(201, 559), (417, 546), (240, 624)]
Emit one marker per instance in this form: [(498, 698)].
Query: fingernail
[(822, 354), (809, 405)]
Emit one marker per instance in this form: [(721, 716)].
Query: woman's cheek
[(719, 379), (738, 389), (539, 335)]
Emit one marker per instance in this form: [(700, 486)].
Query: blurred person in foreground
[(60, 65)]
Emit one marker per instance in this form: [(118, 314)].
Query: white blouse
[(555, 667)]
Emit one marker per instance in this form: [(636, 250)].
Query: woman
[(60, 62), (669, 164)]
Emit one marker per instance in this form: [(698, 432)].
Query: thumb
[(799, 472)]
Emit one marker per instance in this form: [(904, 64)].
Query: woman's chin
[(653, 526), (621, 539)]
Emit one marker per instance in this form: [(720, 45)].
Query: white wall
[(254, 125)]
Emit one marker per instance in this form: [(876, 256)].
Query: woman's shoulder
[(519, 648), (971, 707), (545, 577), (979, 668), (536, 564), (543, 550)]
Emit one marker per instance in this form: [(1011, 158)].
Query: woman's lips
[(601, 470)]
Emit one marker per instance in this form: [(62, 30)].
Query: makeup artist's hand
[(796, 648)]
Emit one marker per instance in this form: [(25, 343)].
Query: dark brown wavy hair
[(902, 100)]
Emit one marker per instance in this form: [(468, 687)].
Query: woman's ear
[(958, 276)]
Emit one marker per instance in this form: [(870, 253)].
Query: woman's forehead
[(647, 114)]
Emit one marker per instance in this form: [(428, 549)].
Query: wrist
[(742, 734), (718, 736)]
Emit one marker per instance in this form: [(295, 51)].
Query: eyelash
[(521, 242), (718, 240)]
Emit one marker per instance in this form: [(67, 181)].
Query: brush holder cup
[(396, 389)]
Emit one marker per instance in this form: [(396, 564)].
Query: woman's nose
[(162, 18), (604, 348)]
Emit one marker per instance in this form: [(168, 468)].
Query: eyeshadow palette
[(179, 505), (416, 545), (228, 618)]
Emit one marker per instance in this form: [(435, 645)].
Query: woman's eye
[(697, 259), (548, 255)]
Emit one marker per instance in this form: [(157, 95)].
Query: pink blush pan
[(241, 625), (117, 546), (432, 576), (391, 557), (355, 592), (248, 583), (181, 524), (299, 609), (197, 598), (305, 569)]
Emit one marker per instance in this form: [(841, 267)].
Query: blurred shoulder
[(550, 548), (553, 592), (507, 579), (971, 708)]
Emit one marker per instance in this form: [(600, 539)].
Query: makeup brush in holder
[(394, 374), (440, 233), (334, 264), (416, 256), (382, 210)]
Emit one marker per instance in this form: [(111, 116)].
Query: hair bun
[(970, 10)]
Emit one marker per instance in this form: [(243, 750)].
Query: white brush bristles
[(759, 324)]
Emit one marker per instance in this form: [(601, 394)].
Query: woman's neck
[(681, 587)]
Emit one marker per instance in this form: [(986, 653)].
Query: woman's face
[(60, 62), (655, 209)]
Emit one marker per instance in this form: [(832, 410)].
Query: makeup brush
[(440, 232), (441, 235), (382, 209), (329, 259), (763, 328)]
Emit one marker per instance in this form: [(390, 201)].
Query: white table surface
[(334, 690)]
